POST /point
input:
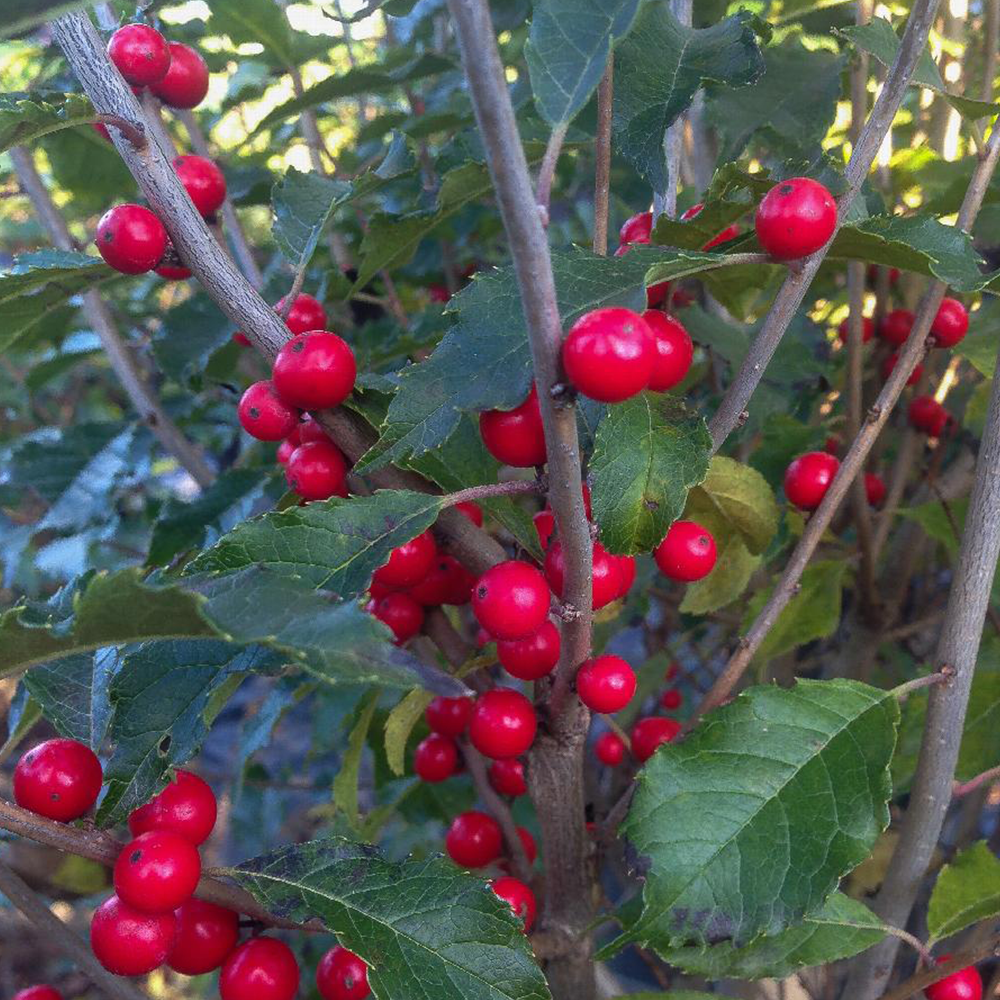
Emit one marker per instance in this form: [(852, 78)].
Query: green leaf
[(639, 491), (23, 714), (980, 749), (345, 785), (749, 824), (426, 930), (188, 337), (728, 579), (254, 21), (303, 205), (658, 70), (73, 694), (34, 12), (398, 726), (568, 48), (26, 117), (979, 346), (744, 498), (966, 891)]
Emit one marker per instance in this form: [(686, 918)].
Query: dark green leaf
[(190, 334), (26, 117), (303, 204), (34, 12), (345, 785), (254, 21), (966, 891), (73, 694)]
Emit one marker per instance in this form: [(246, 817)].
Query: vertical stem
[(602, 153), (991, 40)]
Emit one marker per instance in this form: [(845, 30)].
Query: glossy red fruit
[(317, 471), (637, 229), (311, 430), (727, 234), (449, 716), (59, 779), (518, 896), (262, 968), (966, 984), (950, 325), (157, 872), (187, 807), (545, 524), (140, 53), (307, 313), (447, 582), (867, 330), (409, 563), (170, 273), (203, 181), (403, 615), (795, 218), (927, 415), (128, 942), (649, 733), (874, 489), (511, 600), (626, 569), (671, 699), (265, 415), (808, 478), (186, 82), (503, 723), (472, 511), (687, 553), (609, 748), (605, 684), (315, 371), (40, 992), (674, 351), (285, 449), (436, 758), (342, 975), (609, 354), (528, 843), (896, 325), (515, 437), (131, 239), (532, 657), (507, 777), (206, 934), (473, 840), (889, 362), (606, 574)]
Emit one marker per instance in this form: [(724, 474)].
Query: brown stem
[(514, 487), (294, 291), (960, 789), (602, 154), (902, 691), (132, 131), (991, 41), (547, 171)]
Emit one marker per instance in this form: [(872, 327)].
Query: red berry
[(439, 293), (315, 371), (874, 489), (896, 325), (171, 273), (727, 234), (41, 992), (186, 807), (128, 942), (140, 53), (890, 362), (795, 218), (157, 872), (609, 354), (607, 581), (241, 338), (59, 779), (867, 330), (265, 415), (610, 749), (203, 181), (206, 934), (927, 415), (317, 471), (808, 478), (507, 777), (671, 699), (449, 716), (965, 984), (473, 840), (285, 449), (436, 758), (401, 613), (131, 239), (605, 684), (342, 975), (409, 563), (872, 273), (186, 82), (649, 733), (638, 229), (518, 896), (472, 511), (532, 657), (687, 553), (515, 437), (545, 524), (950, 325), (674, 351), (447, 582), (306, 314), (503, 723), (263, 968), (528, 843), (511, 600), (311, 430), (626, 568)]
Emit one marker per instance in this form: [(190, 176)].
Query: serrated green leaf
[(728, 579), (744, 499), (254, 21), (303, 204), (73, 693), (966, 891), (188, 337), (26, 117), (345, 785), (398, 726), (426, 930)]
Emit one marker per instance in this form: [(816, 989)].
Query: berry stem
[(514, 487), (602, 153), (132, 131), (547, 171), (960, 789)]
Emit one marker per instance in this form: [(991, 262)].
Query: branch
[(960, 789), (602, 154), (902, 691), (512, 488)]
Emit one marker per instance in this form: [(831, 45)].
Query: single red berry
[(687, 553), (342, 975), (315, 371), (507, 777), (867, 330), (311, 430), (503, 723), (186, 807), (140, 53), (832, 444), (203, 181), (447, 582), (131, 239), (436, 758), (241, 338), (950, 325), (896, 325), (889, 362), (674, 350), (609, 749), (128, 942), (262, 968), (511, 600), (186, 82), (171, 273), (515, 437), (808, 478), (157, 872), (449, 716), (206, 934), (874, 489), (605, 684), (518, 897), (473, 840), (966, 984), (671, 699), (472, 511), (528, 843), (41, 992), (317, 471), (59, 779), (532, 657), (609, 354), (439, 293), (927, 415), (606, 574), (265, 415), (626, 569), (307, 313), (409, 563), (637, 229), (545, 524), (795, 218), (285, 449), (727, 234), (649, 733), (401, 613)]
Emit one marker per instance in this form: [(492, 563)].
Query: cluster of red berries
[(174, 72)]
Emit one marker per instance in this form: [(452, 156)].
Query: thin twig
[(961, 788), (902, 691), (602, 156), (547, 171), (132, 131), (514, 487)]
